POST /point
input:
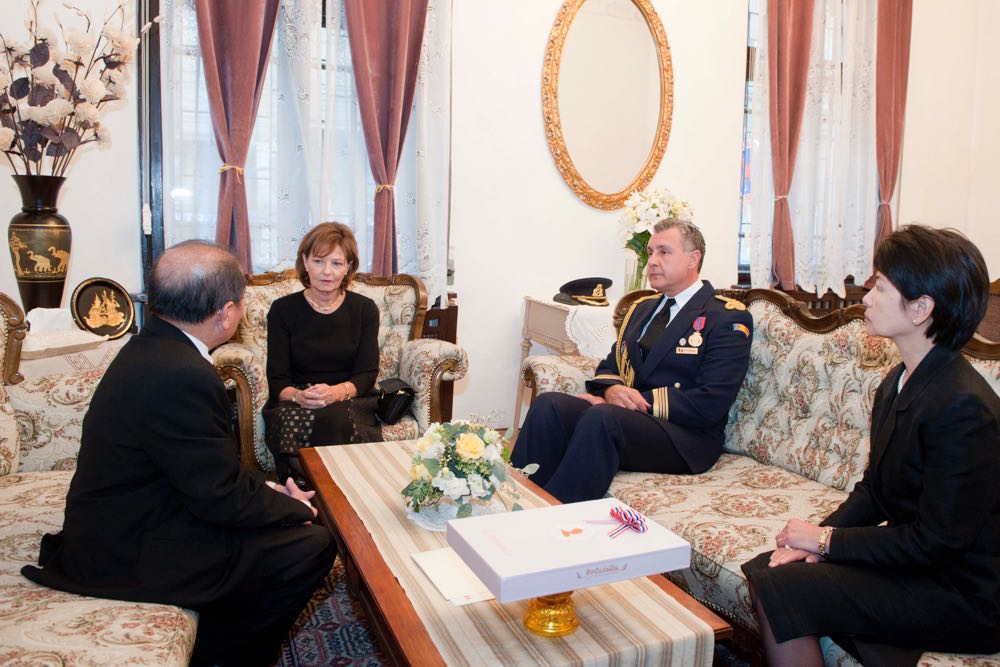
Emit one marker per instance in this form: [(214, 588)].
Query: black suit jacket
[(934, 476), (159, 501), (690, 388)]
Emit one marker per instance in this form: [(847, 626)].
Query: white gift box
[(561, 548)]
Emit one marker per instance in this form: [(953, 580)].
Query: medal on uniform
[(695, 339)]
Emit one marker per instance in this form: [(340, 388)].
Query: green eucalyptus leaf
[(464, 511), (530, 469)]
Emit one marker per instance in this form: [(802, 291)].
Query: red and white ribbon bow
[(629, 519)]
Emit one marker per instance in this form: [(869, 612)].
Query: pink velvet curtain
[(235, 37), (385, 40), (892, 65), (789, 32)]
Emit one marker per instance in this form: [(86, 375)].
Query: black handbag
[(395, 398)]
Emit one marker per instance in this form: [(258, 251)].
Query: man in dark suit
[(160, 509), (660, 400)]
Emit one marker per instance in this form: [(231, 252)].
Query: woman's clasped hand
[(797, 541), (321, 395)]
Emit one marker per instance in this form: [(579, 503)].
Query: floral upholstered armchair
[(568, 373), (39, 441), (402, 303)]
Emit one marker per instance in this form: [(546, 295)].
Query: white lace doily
[(436, 518), (591, 329)]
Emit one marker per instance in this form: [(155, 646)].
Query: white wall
[(516, 227), (951, 140), (101, 195)]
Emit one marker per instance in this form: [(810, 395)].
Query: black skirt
[(288, 427), (881, 616)]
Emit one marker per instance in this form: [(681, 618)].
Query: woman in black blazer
[(911, 560)]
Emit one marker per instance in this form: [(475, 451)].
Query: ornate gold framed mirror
[(607, 97)]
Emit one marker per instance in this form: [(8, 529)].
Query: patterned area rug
[(333, 630)]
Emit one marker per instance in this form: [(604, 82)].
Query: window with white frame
[(308, 162)]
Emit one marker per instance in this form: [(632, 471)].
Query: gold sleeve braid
[(661, 403), (625, 369)]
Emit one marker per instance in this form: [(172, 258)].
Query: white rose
[(477, 487), (79, 42), (93, 90), (124, 43), (451, 486), (15, 47), (53, 112), (116, 75), (103, 136), (27, 112), (490, 436), (43, 75), (87, 112), (47, 35), (430, 448), (491, 453), (6, 138)]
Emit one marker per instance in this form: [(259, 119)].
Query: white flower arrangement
[(635, 227), (52, 95), (642, 211), (462, 461)]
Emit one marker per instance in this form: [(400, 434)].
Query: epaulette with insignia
[(731, 304)]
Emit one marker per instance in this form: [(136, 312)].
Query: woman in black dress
[(928, 578), (322, 353)]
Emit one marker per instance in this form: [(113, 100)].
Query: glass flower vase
[(435, 517), (635, 272)]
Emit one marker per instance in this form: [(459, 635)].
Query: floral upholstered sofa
[(423, 363), (796, 443), (40, 626)]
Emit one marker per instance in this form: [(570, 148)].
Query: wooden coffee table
[(395, 621)]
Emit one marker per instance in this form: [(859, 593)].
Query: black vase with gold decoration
[(39, 240)]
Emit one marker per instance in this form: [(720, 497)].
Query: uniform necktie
[(655, 328)]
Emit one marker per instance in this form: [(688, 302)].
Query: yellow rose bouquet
[(462, 461)]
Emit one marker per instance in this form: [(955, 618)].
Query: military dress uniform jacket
[(692, 374)]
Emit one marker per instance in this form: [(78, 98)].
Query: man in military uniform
[(660, 400)]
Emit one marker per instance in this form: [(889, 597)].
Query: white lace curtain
[(834, 194), (307, 161)]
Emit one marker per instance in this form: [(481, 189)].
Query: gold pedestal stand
[(552, 615)]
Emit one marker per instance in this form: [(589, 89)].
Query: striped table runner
[(631, 622)]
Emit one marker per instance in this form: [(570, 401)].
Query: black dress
[(929, 580), (305, 347)]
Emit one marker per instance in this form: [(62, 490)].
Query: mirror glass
[(609, 93)]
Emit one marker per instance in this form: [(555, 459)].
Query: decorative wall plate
[(103, 307)]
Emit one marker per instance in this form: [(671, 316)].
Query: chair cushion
[(41, 626), (49, 411), (729, 515), (397, 306), (9, 451), (567, 374), (806, 402)]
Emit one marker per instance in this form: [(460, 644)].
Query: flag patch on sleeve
[(742, 328)]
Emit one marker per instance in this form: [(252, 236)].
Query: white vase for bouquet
[(435, 518)]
